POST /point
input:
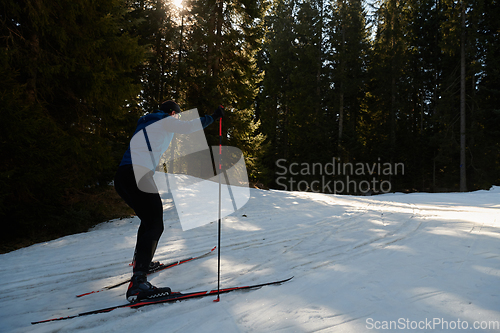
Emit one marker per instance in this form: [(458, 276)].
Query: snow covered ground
[(410, 262)]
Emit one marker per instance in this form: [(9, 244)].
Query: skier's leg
[(150, 211), (125, 185), (151, 214)]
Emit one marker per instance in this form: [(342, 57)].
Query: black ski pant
[(148, 207)]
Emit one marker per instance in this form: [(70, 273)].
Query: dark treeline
[(383, 83), (411, 83), (67, 87)]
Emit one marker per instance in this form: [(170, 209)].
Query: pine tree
[(484, 136), (388, 96), (155, 22), (307, 84), (349, 48), (221, 41), (69, 90), (275, 98)]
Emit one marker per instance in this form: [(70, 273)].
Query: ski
[(174, 297), (159, 268)]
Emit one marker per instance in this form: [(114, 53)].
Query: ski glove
[(219, 113)]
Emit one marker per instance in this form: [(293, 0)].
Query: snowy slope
[(360, 264)]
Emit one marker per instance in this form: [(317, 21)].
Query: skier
[(145, 200)]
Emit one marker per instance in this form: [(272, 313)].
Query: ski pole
[(219, 233)]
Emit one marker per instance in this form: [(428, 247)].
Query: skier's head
[(169, 107)]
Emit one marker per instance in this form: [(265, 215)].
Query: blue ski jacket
[(161, 142)]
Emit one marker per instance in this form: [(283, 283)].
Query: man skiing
[(139, 191)]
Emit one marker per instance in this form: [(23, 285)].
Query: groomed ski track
[(174, 297), (356, 261)]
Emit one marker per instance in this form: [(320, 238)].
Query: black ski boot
[(153, 266), (140, 289)]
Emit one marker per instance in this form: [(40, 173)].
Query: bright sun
[(178, 3)]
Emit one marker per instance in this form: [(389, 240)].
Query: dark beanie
[(169, 106)]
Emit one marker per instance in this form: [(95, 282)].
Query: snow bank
[(412, 262)]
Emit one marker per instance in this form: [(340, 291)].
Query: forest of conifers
[(405, 93)]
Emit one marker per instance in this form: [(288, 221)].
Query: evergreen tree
[(274, 98), (450, 109), (221, 51), (425, 70), (307, 139), (349, 51), (291, 101), (155, 22), (484, 98), (66, 95), (201, 55)]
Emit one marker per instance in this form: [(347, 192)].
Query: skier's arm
[(173, 125), (185, 127)]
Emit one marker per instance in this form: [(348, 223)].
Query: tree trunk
[(342, 78), (463, 180)]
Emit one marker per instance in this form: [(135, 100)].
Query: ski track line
[(426, 295), (278, 233), (100, 272), (345, 252), (328, 328), (313, 231)]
